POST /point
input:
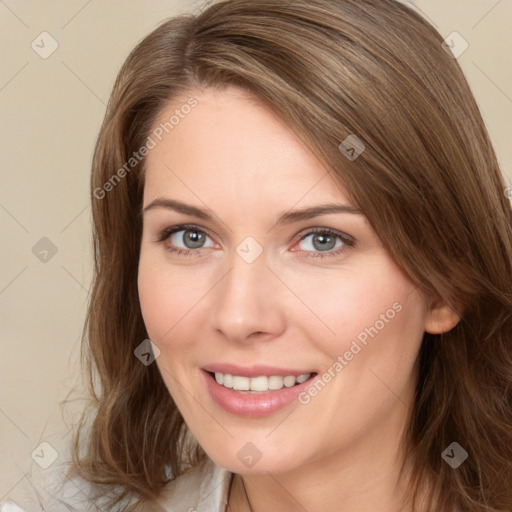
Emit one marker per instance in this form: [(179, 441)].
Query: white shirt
[(201, 489)]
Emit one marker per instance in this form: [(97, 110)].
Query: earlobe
[(441, 317)]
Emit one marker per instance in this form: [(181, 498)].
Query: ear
[(441, 317)]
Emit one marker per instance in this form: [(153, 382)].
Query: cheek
[(369, 363), (166, 303), (169, 298), (376, 348), (158, 297), (361, 306), (155, 303)]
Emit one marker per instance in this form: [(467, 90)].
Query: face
[(248, 293)]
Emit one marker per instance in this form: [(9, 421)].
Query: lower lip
[(253, 405)]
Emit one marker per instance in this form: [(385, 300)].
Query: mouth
[(259, 391)]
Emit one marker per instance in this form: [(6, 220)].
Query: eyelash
[(347, 242)]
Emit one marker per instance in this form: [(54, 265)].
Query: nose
[(248, 301)]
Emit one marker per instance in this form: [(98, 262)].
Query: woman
[(299, 205)]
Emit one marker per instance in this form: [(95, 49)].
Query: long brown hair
[(428, 181)]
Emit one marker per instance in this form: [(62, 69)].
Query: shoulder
[(203, 488), (48, 488)]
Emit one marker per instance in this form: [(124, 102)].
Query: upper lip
[(253, 371)]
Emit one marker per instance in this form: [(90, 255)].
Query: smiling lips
[(255, 391)]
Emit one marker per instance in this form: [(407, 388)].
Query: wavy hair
[(428, 181)]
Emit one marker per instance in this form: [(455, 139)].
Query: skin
[(235, 158)]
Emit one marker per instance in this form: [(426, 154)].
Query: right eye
[(191, 237)]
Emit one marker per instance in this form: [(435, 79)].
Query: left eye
[(321, 241)]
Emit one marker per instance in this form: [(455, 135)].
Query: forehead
[(231, 148)]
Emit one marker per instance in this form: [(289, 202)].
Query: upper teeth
[(263, 383)]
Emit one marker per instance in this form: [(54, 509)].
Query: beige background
[(51, 110)]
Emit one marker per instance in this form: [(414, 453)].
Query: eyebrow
[(285, 218)]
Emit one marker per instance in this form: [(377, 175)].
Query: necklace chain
[(246, 497), (245, 492)]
